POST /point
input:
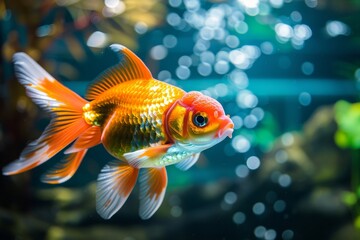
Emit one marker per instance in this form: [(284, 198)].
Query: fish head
[(197, 122)]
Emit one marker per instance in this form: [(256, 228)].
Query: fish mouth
[(226, 128), (226, 133)]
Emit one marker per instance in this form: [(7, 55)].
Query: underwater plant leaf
[(349, 198), (347, 116), (342, 139)]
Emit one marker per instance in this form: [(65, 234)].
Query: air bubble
[(258, 208), (239, 218)]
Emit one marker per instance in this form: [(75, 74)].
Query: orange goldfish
[(142, 122)]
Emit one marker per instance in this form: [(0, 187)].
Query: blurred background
[(287, 71)]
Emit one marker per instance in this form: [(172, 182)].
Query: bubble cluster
[(297, 34), (262, 233)]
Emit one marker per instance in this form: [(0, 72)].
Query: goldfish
[(144, 123)]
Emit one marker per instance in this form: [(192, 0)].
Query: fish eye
[(200, 119)]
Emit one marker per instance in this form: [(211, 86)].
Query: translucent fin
[(90, 138), (188, 163), (42, 88), (153, 182), (130, 67), (64, 170), (66, 108), (115, 183), (56, 136), (144, 157)]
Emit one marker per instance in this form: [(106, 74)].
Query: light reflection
[(276, 3), (305, 98), (175, 3), (250, 121), (176, 211), (287, 139), (281, 156), (267, 48), (238, 122), (258, 113), (204, 69), (164, 75), (173, 19), (183, 72), (279, 206), (307, 68), (296, 16), (249, 3), (221, 89), (232, 41), (302, 32), (239, 79), (242, 171), (240, 144), (288, 234), (284, 31), (259, 231), (246, 99), (207, 33), (239, 218), (141, 27), (253, 163), (158, 52), (336, 28), (241, 27), (192, 5), (258, 208), (230, 198), (207, 57), (170, 41), (221, 67), (44, 30), (357, 74), (284, 180), (237, 57), (113, 8), (311, 3), (111, 3), (270, 234), (185, 61), (97, 40)]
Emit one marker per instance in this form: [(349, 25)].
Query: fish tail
[(117, 180), (65, 107)]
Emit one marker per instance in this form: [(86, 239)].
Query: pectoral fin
[(188, 163), (115, 183), (146, 157)]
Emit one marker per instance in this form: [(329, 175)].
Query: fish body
[(131, 115), (144, 123)]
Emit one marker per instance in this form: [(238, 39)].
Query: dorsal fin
[(130, 67)]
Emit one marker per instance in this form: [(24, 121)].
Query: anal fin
[(153, 182)]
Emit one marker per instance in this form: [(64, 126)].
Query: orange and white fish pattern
[(145, 124)]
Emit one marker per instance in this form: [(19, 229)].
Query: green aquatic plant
[(347, 116)]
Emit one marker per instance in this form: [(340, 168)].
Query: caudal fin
[(64, 105)]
